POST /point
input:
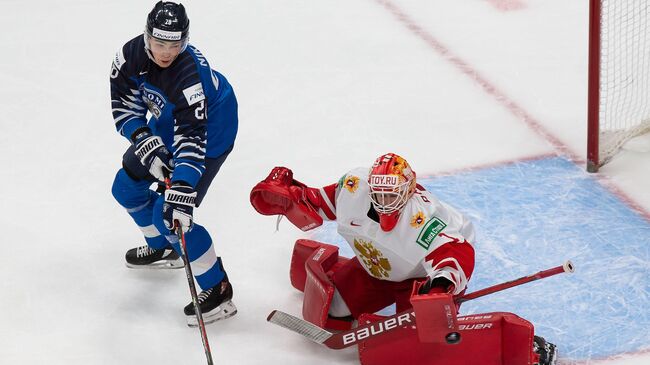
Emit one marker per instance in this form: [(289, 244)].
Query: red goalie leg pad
[(436, 315), (302, 250), (279, 193), (318, 287), (488, 339)]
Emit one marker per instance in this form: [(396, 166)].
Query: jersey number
[(199, 112), (424, 198)]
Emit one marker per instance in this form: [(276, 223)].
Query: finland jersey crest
[(154, 100)]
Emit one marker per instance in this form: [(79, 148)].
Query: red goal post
[(619, 76)]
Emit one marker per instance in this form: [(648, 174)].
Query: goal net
[(619, 76)]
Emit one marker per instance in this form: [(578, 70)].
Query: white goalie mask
[(392, 183)]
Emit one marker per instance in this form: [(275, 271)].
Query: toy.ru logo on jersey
[(155, 102)]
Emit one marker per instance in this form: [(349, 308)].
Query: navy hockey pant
[(131, 188)]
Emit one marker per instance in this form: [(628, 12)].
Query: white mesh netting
[(624, 110)]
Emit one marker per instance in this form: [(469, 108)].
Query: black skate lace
[(143, 251)]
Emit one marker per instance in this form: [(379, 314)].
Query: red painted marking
[(621, 195), (631, 356), (505, 101), (508, 5), (486, 166), (499, 96)]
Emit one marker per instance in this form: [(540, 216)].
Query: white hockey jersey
[(409, 250)]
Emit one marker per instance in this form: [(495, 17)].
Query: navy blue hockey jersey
[(193, 108)]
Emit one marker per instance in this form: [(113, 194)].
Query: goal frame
[(593, 85)]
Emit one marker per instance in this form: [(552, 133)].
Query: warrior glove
[(179, 205), (153, 154)]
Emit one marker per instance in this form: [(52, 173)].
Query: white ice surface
[(323, 86)]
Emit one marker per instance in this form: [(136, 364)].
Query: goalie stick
[(363, 331)]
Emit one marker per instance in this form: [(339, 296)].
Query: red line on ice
[(487, 165), (507, 5), (503, 99), (482, 81)]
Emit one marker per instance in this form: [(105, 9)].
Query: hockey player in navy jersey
[(190, 132)]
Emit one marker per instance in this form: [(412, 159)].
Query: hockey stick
[(190, 281), (363, 331), (566, 267), (195, 298)]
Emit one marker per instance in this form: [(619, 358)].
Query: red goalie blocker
[(279, 193), (489, 339), (436, 316)]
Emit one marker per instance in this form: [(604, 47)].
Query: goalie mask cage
[(619, 76)]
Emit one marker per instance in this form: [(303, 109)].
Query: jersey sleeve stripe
[(126, 132), (190, 154), (191, 145), (133, 105), (190, 165), (126, 112), (328, 208), (453, 261)]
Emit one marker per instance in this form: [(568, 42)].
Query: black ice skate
[(215, 303), (546, 350), (145, 257)]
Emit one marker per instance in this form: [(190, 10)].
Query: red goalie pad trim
[(304, 250), (311, 263)]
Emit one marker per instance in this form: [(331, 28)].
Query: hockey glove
[(280, 193), (437, 285), (178, 207), (153, 154)]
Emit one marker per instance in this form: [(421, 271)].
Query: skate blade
[(224, 311), (160, 265)]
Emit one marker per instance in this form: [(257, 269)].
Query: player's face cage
[(387, 199)]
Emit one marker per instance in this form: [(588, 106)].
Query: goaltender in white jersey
[(399, 254), (400, 233)]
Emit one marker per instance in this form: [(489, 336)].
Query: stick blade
[(299, 326)]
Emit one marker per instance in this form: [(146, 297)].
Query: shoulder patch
[(351, 183), (418, 219), (430, 231), (194, 94)]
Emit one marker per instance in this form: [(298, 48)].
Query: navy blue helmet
[(167, 21)]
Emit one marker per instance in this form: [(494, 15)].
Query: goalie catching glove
[(279, 193)]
